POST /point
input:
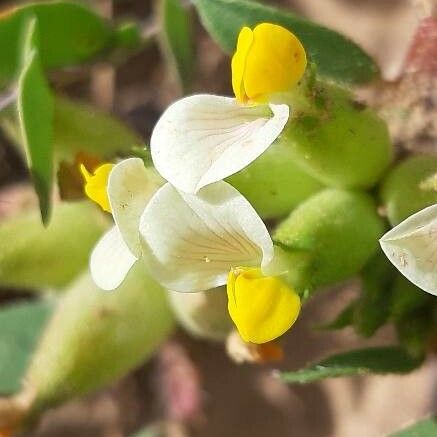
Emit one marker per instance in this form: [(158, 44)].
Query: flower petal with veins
[(203, 139), (130, 186), (190, 242), (412, 247)]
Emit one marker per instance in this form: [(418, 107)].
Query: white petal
[(412, 247), (111, 260), (191, 242), (130, 187), (204, 138)]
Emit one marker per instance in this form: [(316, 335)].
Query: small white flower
[(203, 139), (130, 186), (412, 247), (191, 242)]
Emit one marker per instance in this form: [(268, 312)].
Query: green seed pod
[(273, 183), (329, 237), (33, 256), (408, 189), (96, 337), (204, 315), (339, 142)]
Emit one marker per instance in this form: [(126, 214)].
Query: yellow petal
[(271, 61), (238, 63), (96, 183), (262, 307)]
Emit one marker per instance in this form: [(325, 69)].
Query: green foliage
[(338, 230), (21, 326), (372, 308), (177, 39), (79, 127), (149, 431), (407, 298), (336, 56), (423, 428), (414, 331), (403, 192), (96, 337), (376, 360), (35, 111), (82, 128), (273, 183), (337, 141), (35, 257), (69, 34)]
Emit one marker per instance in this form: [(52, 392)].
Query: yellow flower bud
[(269, 59), (96, 183), (262, 307)]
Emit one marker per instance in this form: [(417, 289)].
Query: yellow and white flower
[(412, 248), (196, 242), (203, 139), (124, 190)]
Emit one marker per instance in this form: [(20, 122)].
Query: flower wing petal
[(111, 260), (202, 139), (191, 242), (412, 247), (130, 186)]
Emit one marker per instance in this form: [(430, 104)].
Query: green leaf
[(423, 428), (149, 431), (402, 190), (79, 127), (96, 337), (21, 326), (35, 113), (69, 34), (177, 39), (407, 298), (324, 230), (336, 56), (35, 257), (372, 309), (83, 128), (376, 360), (415, 331)]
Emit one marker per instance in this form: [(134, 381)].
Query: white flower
[(130, 186), (203, 139), (412, 247), (193, 243)]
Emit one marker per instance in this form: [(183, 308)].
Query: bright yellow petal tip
[(96, 184), (270, 59), (262, 307)]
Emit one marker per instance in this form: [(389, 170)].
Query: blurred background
[(194, 379)]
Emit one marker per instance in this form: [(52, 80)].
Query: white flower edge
[(130, 187), (203, 138), (412, 248), (111, 260), (190, 242)]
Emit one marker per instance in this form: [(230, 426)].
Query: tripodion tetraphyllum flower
[(412, 247), (123, 190), (196, 242), (202, 139)]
